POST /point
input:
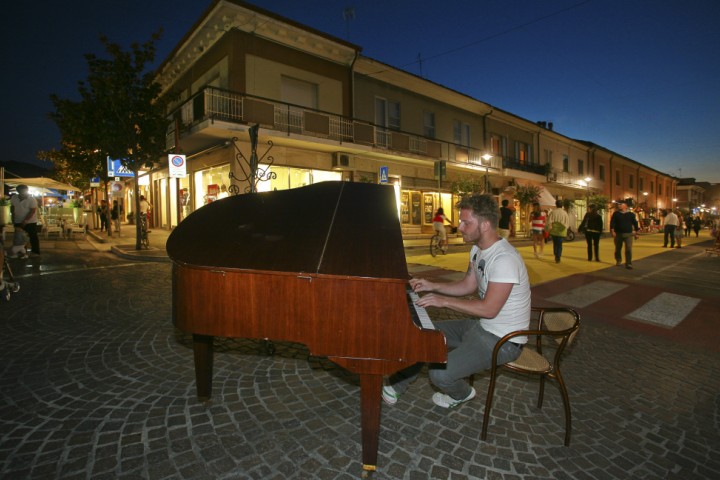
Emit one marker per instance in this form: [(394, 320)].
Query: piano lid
[(334, 228)]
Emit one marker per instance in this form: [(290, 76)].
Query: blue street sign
[(383, 174), (116, 169)]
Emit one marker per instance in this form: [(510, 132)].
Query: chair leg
[(566, 403), (488, 402), (542, 391)]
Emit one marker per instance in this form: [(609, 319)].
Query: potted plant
[(5, 218), (77, 206)]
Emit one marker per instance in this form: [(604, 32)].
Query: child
[(18, 247)]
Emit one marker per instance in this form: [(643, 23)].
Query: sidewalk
[(541, 270)]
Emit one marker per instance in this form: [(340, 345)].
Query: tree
[(120, 113), (467, 186), (526, 195)]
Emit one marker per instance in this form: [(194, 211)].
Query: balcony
[(216, 105)]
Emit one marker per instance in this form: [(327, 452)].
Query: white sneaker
[(389, 395), (446, 401)]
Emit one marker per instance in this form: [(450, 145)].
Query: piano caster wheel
[(269, 348), (367, 474)]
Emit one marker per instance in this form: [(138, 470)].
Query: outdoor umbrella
[(41, 182)]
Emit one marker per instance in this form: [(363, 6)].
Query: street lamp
[(587, 195), (487, 157)]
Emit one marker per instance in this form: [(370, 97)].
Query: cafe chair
[(559, 326), (51, 228)]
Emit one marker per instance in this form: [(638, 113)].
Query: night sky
[(639, 77)]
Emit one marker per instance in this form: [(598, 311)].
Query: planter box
[(5, 218)]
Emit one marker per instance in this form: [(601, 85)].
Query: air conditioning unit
[(341, 160)]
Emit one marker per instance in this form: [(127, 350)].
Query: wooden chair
[(558, 324)]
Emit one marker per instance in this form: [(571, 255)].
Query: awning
[(546, 200), (40, 182)]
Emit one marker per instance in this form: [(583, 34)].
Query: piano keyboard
[(422, 314)]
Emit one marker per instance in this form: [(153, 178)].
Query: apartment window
[(381, 116), (498, 145), (566, 163), (429, 124), (601, 172), (394, 115), (581, 167), (461, 133), (299, 92), (631, 183), (523, 152), (659, 189), (652, 187), (617, 178), (548, 156), (641, 184)]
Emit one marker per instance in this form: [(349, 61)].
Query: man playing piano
[(498, 274)]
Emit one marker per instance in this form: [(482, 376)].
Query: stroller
[(8, 285)]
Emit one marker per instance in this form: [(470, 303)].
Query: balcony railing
[(221, 105)]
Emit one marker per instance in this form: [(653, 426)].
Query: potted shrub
[(77, 206), (5, 218)]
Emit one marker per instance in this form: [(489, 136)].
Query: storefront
[(417, 209)]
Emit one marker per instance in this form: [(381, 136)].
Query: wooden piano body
[(321, 265)]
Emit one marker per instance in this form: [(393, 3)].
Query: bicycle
[(144, 239), (435, 245)]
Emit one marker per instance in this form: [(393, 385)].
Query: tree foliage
[(120, 114), (527, 194), (467, 186), (600, 201)]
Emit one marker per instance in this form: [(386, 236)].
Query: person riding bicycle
[(438, 222)]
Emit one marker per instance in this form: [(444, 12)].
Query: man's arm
[(488, 307), (466, 286)]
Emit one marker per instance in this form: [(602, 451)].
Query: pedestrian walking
[(558, 222), (679, 230), (24, 211), (537, 228), (670, 223), (592, 227), (696, 224), (688, 220), (623, 227)]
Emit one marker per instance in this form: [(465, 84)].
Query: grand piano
[(321, 265)]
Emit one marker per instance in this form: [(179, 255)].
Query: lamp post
[(587, 185), (487, 157)]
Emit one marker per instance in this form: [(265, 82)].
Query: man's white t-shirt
[(23, 207), (501, 263)]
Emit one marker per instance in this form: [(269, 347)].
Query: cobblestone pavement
[(96, 383)]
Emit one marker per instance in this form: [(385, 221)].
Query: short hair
[(535, 204), (21, 187), (440, 211), (558, 203), (505, 203), (483, 206)]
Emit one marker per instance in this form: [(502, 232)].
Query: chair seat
[(529, 359)]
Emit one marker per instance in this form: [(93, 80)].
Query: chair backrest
[(560, 320)]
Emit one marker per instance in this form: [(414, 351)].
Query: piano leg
[(203, 353), (370, 391)]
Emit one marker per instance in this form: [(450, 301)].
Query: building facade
[(324, 111)]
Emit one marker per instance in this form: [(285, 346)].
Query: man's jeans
[(627, 240), (669, 230), (557, 245), (471, 348)]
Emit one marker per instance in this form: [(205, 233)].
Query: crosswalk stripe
[(665, 310), (587, 294)]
